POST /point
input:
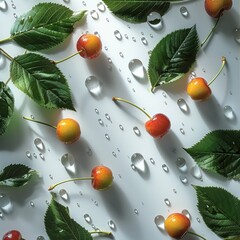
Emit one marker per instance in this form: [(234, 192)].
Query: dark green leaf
[(136, 11), (220, 211), (6, 106), (59, 225), (41, 80), (16, 175), (219, 152), (44, 26), (173, 56)]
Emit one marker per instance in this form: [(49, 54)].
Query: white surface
[(131, 190)]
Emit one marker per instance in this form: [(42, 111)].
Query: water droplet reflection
[(184, 11), (93, 85), (136, 68), (154, 20), (228, 112), (68, 161), (159, 221), (138, 162)]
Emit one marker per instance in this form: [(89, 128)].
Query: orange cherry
[(215, 8)]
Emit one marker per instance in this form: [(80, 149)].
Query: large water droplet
[(118, 35), (112, 225), (101, 7), (94, 15), (159, 221), (5, 203), (87, 218), (138, 162), (228, 112), (154, 20), (137, 69), (3, 5), (93, 85), (39, 144), (182, 105), (181, 164), (237, 35), (184, 11), (186, 213), (136, 131), (68, 161), (196, 172), (64, 195)]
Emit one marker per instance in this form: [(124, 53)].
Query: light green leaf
[(16, 175), (6, 107), (136, 11), (41, 80), (59, 225), (218, 152), (173, 56), (44, 26), (220, 211)]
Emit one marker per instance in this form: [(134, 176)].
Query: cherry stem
[(8, 81), (6, 54), (219, 71), (5, 40), (195, 234), (68, 180), (100, 232), (211, 32), (65, 59), (33, 120), (134, 105)]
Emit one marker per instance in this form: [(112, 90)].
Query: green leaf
[(59, 225), (220, 211), (41, 80), (16, 175), (219, 152), (44, 26), (136, 11), (173, 56), (6, 107)]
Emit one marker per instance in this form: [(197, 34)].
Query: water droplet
[(1, 214), (13, 6), (121, 54), (198, 220), (182, 105), (114, 154), (3, 5), (121, 127), (186, 213), (107, 137), (93, 85), (134, 39), (126, 36), (108, 117), (137, 69), (118, 35), (165, 168), (136, 131), (32, 204), (152, 161), (94, 15), (139, 162), (112, 225), (181, 164), (154, 20), (66, 1), (40, 238), (28, 154), (39, 144), (159, 221), (144, 41), (96, 111), (101, 7), (100, 121), (183, 179), (89, 152), (68, 161), (237, 35), (184, 11), (5, 203), (167, 202), (196, 172), (15, 15), (41, 156), (174, 190), (136, 211), (35, 155), (228, 112), (182, 131), (87, 218), (64, 195)]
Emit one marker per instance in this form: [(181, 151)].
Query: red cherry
[(89, 46), (215, 8), (12, 235), (157, 126)]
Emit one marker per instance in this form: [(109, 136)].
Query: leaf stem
[(68, 180), (5, 40), (100, 232), (134, 105), (219, 71), (33, 120), (211, 32), (8, 81), (195, 234), (6, 54), (65, 59)]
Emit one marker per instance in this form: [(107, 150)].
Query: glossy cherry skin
[(177, 225), (215, 8), (102, 177), (68, 130), (12, 235), (89, 46), (158, 125), (198, 89)]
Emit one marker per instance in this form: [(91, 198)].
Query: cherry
[(157, 126), (198, 88), (101, 177), (215, 8), (67, 129), (12, 235), (89, 46)]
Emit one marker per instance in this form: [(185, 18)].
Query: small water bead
[(198, 220), (66, 1), (182, 105), (121, 54), (94, 15), (167, 202), (136, 211), (118, 35), (35, 155), (136, 68), (13, 6), (126, 36), (159, 221), (32, 204), (184, 11), (152, 161), (175, 191), (3, 5), (138, 162), (144, 41), (111, 224), (107, 137), (136, 131), (154, 20), (183, 179), (87, 218), (100, 121), (114, 154), (196, 172), (41, 156), (93, 85), (186, 213), (5, 203), (129, 80), (1, 214), (68, 161), (28, 154), (228, 112), (40, 238), (108, 117), (134, 39), (193, 74), (237, 35), (182, 131), (96, 111), (165, 168), (64, 195), (121, 127), (181, 164), (15, 15), (101, 7)]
